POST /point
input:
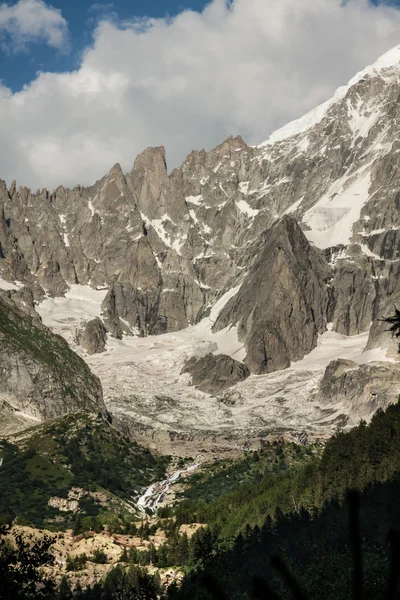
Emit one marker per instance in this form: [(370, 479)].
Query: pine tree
[(394, 322), (64, 591), (124, 555), (21, 567), (183, 550)]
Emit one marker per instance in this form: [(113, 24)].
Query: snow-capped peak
[(386, 61)]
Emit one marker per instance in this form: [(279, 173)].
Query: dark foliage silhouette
[(262, 591), (394, 322)]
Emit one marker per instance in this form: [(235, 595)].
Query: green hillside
[(75, 452)]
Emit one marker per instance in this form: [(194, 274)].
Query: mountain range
[(235, 300)]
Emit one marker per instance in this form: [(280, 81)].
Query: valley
[(197, 365)]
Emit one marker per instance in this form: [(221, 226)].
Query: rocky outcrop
[(23, 299), (214, 373), (281, 305), (112, 322), (125, 309), (360, 389), (94, 337), (41, 377), (352, 293), (387, 298)]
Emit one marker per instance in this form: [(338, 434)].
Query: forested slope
[(303, 517)]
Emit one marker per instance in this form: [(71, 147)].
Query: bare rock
[(40, 376), (112, 322), (281, 305), (353, 292), (94, 337), (140, 309), (214, 373), (360, 389)]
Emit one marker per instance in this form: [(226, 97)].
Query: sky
[(18, 68), (84, 85)]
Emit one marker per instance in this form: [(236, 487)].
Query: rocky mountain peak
[(231, 144), (281, 305), (153, 158), (116, 173), (13, 189)]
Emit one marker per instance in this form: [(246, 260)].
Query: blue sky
[(19, 68), (84, 86)]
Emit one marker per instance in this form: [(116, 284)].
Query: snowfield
[(331, 219), (142, 382), (7, 286)]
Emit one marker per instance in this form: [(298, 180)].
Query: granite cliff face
[(361, 389), (40, 377), (304, 228), (94, 336), (281, 306)]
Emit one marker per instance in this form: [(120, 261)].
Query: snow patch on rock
[(332, 218), (246, 209), (385, 62)]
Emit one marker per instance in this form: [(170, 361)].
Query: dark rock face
[(215, 373), (112, 322), (333, 375), (281, 305), (94, 337), (352, 293), (140, 309), (387, 298)]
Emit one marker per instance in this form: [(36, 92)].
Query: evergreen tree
[(394, 322), (21, 567), (65, 591)]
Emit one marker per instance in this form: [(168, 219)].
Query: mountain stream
[(154, 495)]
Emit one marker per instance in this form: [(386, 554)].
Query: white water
[(154, 495)]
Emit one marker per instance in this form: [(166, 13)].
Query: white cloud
[(101, 7), (186, 83), (31, 21)]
